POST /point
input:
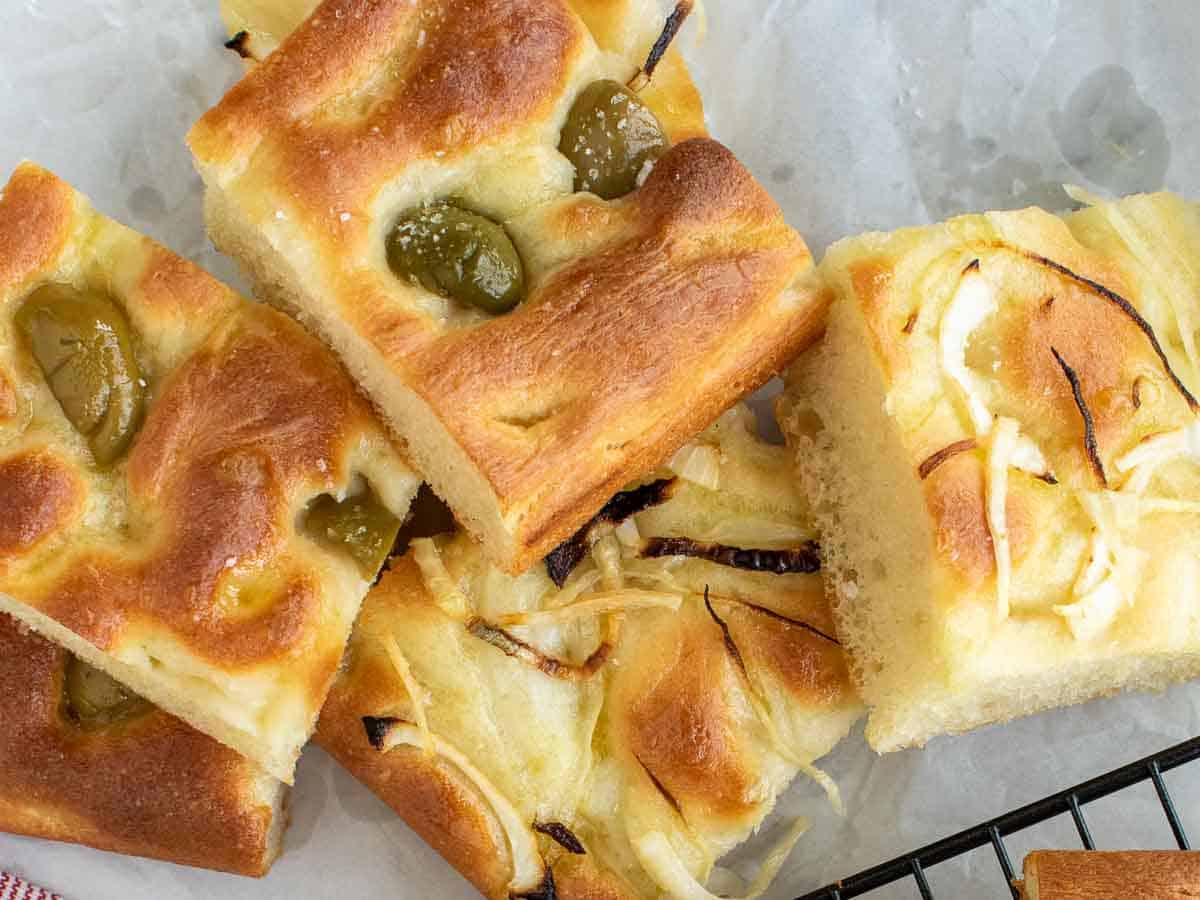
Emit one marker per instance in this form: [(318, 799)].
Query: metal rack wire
[(992, 832)]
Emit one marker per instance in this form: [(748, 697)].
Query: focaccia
[(83, 761), (1110, 875), (614, 736), (1001, 425), (392, 174), (193, 497)]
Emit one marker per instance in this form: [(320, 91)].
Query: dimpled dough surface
[(177, 566)]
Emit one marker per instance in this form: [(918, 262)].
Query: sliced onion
[(438, 581), (528, 866), (1162, 447), (597, 605), (404, 670), (999, 457), (972, 304), (662, 863), (698, 463)]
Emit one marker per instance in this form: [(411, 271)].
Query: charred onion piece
[(804, 560), (240, 44), (662, 788), (518, 649), (1089, 424), (562, 560), (1126, 307), (377, 729), (562, 835), (544, 891), (670, 28), (936, 459), (730, 645)]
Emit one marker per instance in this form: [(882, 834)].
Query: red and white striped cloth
[(13, 888)]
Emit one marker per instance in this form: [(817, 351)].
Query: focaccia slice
[(1001, 425), (1110, 875), (613, 737), (378, 133), (193, 497), (83, 761)]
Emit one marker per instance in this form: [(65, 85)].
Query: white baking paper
[(857, 115)]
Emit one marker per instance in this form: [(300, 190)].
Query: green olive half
[(82, 343), (94, 700), (458, 254), (360, 525), (609, 137)]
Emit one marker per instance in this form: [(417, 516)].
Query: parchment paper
[(858, 115)]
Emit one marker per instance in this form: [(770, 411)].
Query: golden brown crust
[(1109, 875), (701, 250), (675, 720), (151, 787), (190, 546), (36, 209), (39, 495), (672, 291), (807, 660)]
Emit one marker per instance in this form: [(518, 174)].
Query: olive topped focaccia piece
[(510, 223), (1003, 419), (83, 759), (612, 722), (193, 497)]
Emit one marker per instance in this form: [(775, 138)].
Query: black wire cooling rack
[(913, 865)]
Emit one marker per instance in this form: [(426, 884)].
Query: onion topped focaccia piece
[(615, 735), (1002, 427), (507, 219), (193, 497), (84, 760)]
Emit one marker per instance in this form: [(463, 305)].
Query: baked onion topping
[(671, 27), (561, 835), (1091, 448), (562, 560), (805, 559), (526, 653), (530, 873)]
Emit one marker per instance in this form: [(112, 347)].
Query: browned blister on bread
[(642, 317)]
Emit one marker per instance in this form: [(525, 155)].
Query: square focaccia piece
[(538, 331), (611, 724), (193, 497), (1001, 429), (84, 760)]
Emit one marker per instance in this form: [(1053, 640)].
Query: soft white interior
[(875, 533)]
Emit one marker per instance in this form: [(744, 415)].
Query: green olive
[(609, 137), (360, 525), (82, 343), (458, 254), (94, 700)]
